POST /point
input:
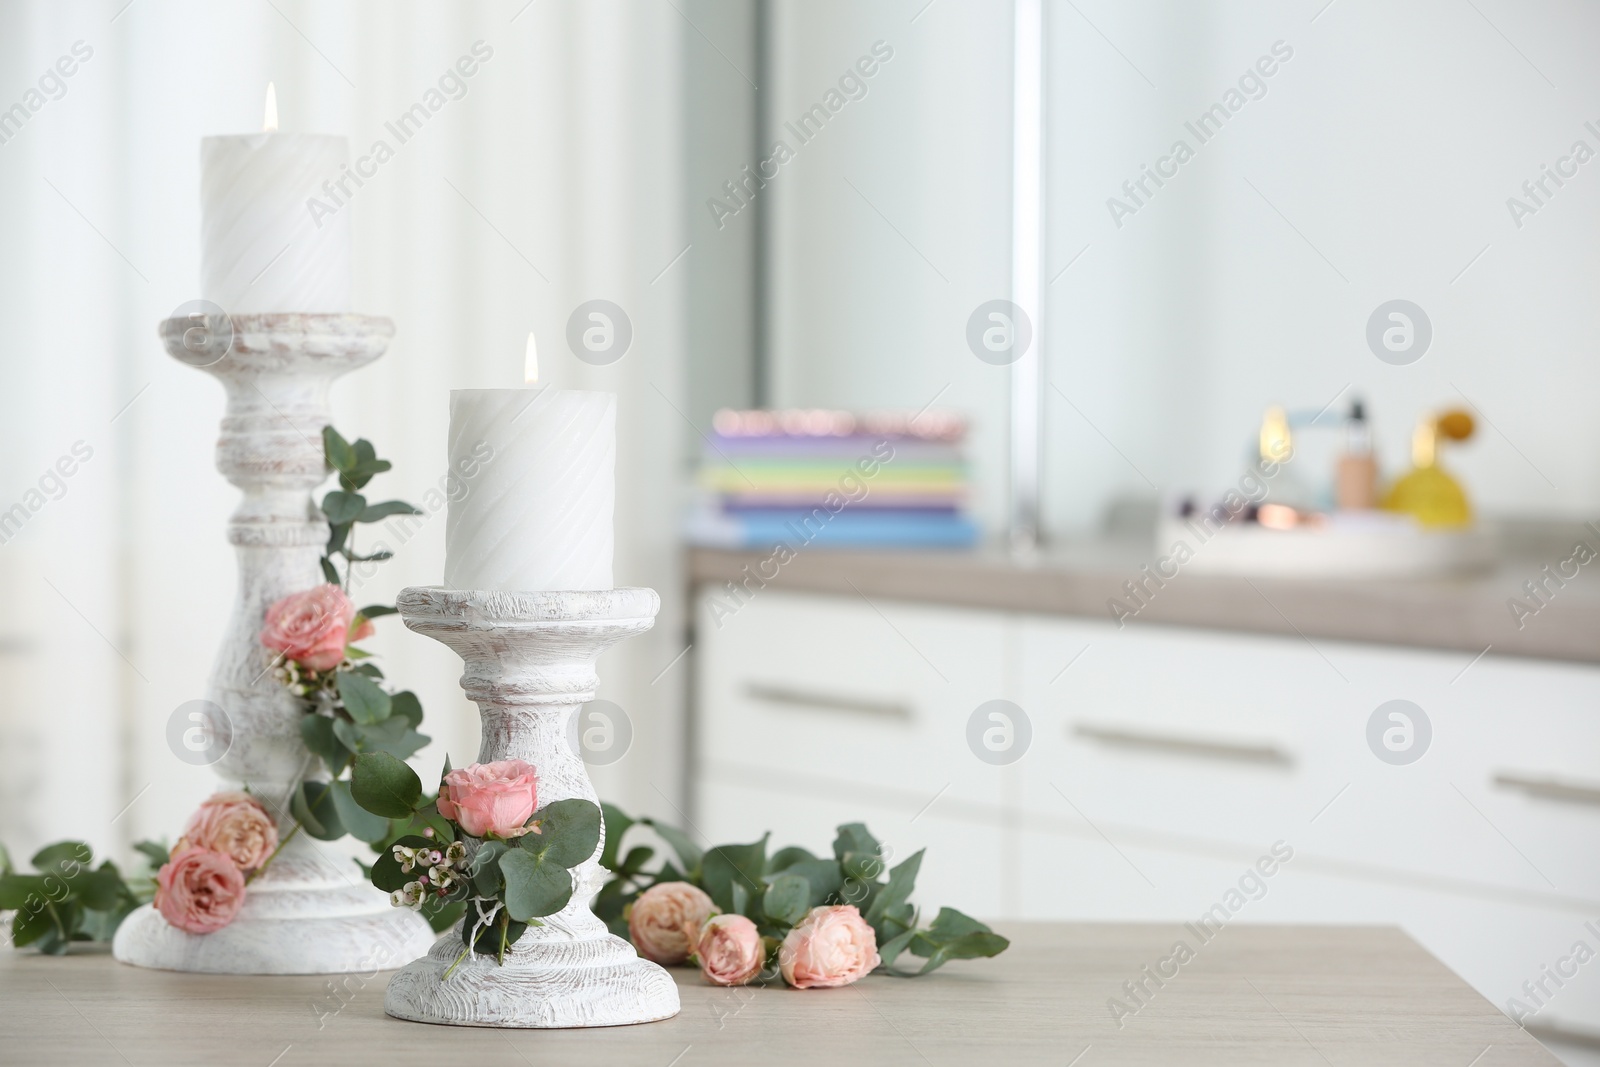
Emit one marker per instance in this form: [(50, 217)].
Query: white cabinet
[(1162, 762)]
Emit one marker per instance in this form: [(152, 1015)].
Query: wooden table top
[(1279, 995)]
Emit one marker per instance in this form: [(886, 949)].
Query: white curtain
[(554, 180)]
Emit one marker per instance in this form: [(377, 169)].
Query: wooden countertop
[(1278, 995), (1466, 614)]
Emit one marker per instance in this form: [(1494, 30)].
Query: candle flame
[(530, 361), (269, 122)]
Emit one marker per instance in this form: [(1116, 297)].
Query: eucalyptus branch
[(356, 465)]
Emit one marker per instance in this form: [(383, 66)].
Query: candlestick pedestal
[(530, 665), (310, 911)]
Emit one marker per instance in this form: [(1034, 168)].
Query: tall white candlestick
[(269, 239), (536, 514)]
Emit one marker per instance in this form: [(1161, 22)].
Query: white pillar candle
[(268, 241), (536, 513)]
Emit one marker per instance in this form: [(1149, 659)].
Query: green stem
[(456, 964), (56, 918), (281, 842), (286, 838)]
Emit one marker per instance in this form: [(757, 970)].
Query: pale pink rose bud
[(313, 627), (235, 824), (490, 798), (199, 890), (730, 950), (832, 946), (666, 919)]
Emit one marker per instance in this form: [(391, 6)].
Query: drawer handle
[(1549, 787), (1561, 1030), (1210, 748), (810, 698)]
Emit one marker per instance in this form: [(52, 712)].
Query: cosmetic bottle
[(1356, 475)]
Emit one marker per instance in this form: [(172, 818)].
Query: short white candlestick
[(530, 665), (310, 912)]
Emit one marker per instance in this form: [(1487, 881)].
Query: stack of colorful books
[(877, 479)]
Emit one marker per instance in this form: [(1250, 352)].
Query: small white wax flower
[(442, 877), (406, 857), (455, 854), (407, 896)]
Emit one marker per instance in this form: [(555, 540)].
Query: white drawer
[(1444, 813), (1531, 731), (1181, 731), (875, 693), (1249, 739)]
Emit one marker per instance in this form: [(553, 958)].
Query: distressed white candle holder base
[(530, 665), (310, 912)]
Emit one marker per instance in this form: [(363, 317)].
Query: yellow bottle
[(1427, 492)]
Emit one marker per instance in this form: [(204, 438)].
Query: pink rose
[(832, 946), (313, 627), (666, 919), (199, 890), (490, 798), (730, 950), (234, 824)]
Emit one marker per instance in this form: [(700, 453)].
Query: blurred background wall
[(1375, 163)]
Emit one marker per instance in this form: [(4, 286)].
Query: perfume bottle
[(1356, 475), (1428, 492)]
